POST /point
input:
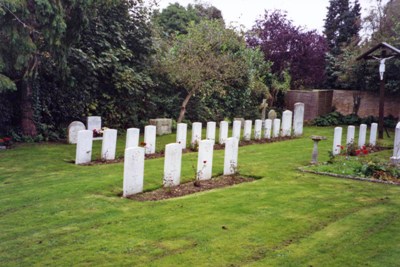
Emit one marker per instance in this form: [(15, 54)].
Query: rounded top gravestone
[(272, 114), (73, 129)]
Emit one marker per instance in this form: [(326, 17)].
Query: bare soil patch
[(191, 188)]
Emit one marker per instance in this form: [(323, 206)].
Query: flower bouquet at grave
[(99, 132), (5, 142)]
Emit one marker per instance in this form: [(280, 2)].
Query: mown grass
[(58, 214)]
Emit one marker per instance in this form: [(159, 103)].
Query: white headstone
[(257, 129), (231, 156), (150, 139), (298, 120), (109, 144), (172, 165), (205, 159), (236, 128), (211, 125), (350, 134), (73, 129), (362, 135), (84, 147), (276, 128), (181, 134), (267, 128), (133, 171), (396, 146), (247, 130), (196, 134), (132, 137), (223, 131), (337, 141), (287, 123), (373, 133), (94, 123)]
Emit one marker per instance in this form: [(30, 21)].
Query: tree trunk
[(27, 122), (183, 107)]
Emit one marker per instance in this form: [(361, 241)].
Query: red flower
[(363, 147), (341, 147), (6, 139), (358, 152), (365, 152)]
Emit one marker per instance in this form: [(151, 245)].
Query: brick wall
[(316, 102), (343, 101)]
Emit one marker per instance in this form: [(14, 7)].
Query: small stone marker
[(263, 108), (73, 129), (247, 130), (223, 132), (287, 123), (337, 141), (94, 123), (133, 171), (181, 134), (236, 128), (350, 134), (132, 137), (267, 128), (272, 115), (298, 120), (205, 160), (276, 128), (163, 125), (150, 139), (316, 139), (373, 133), (396, 146), (362, 135), (257, 129), (109, 144), (196, 134), (231, 156), (172, 165), (210, 134), (84, 147)]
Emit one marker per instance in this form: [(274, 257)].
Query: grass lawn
[(57, 214)]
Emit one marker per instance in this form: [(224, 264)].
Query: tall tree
[(290, 48), (30, 31)]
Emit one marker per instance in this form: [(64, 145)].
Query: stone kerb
[(276, 128), (132, 137), (181, 134), (109, 144), (257, 129), (362, 135), (267, 128), (298, 120), (84, 147), (163, 125), (133, 171), (223, 131), (205, 160), (150, 139), (211, 127), (373, 134), (350, 134), (287, 123), (337, 141), (236, 128), (231, 156), (247, 130), (172, 165), (196, 134), (72, 132)]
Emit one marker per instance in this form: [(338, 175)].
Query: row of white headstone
[(134, 164), (362, 136)]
